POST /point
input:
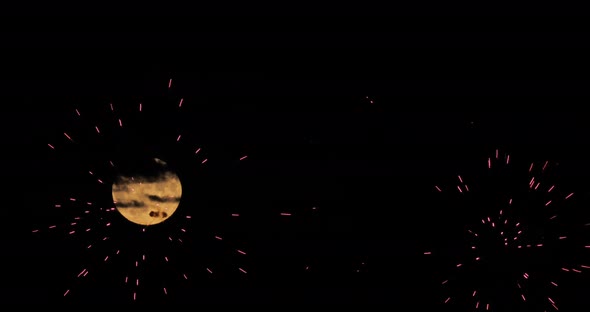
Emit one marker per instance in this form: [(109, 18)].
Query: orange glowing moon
[(148, 198)]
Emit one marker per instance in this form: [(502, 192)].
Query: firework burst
[(523, 227), (89, 213)]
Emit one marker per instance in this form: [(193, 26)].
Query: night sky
[(348, 132)]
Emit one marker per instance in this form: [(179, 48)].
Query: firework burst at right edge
[(523, 241)]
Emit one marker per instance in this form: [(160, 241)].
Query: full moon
[(149, 195)]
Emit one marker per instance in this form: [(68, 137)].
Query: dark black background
[(446, 93)]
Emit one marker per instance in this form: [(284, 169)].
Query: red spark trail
[(242, 270), (120, 123), (180, 104), (67, 136), (169, 83), (51, 146), (243, 157)]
